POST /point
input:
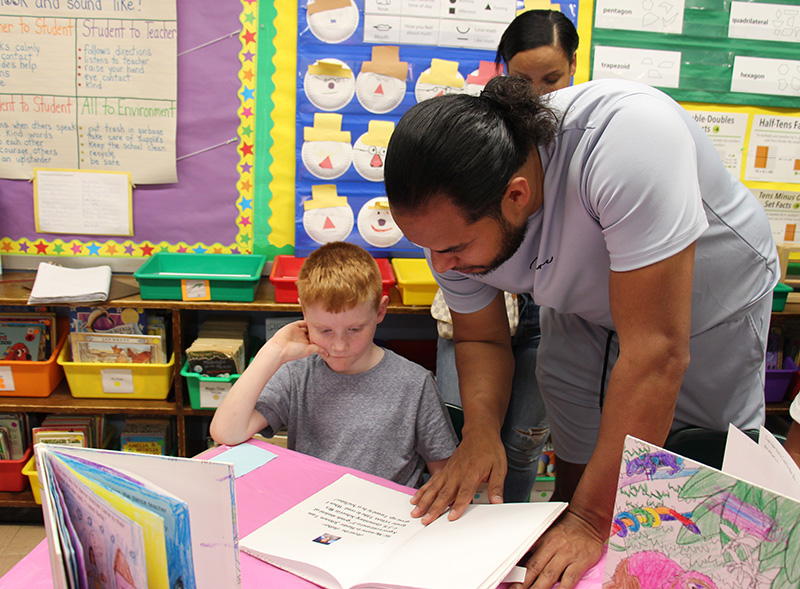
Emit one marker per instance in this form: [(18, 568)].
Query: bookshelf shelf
[(14, 290)]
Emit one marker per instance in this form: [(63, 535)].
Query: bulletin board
[(359, 66), (735, 66), (210, 206)]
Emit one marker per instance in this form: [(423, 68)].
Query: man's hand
[(564, 553), (479, 458)]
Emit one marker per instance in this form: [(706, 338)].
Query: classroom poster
[(89, 85), (361, 64), (211, 206)]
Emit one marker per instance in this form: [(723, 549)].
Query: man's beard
[(512, 240)]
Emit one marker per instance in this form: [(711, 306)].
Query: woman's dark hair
[(466, 148), (537, 28)]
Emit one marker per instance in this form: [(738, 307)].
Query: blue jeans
[(525, 429)]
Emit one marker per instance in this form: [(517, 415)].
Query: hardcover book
[(118, 519)]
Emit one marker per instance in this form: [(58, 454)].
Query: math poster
[(89, 85)]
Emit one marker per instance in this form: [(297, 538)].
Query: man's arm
[(651, 308), (236, 419), (485, 366)]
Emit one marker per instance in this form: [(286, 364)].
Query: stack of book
[(220, 348), (14, 435), (87, 431), (146, 436), (117, 335), (27, 337)]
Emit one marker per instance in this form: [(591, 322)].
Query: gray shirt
[(631, 179), (387, 421)]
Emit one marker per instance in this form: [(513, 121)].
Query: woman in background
[(539, 46)]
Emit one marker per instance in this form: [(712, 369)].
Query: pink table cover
[(261, 495)]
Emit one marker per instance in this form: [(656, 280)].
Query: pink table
[(261, 495)]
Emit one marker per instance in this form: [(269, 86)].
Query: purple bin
[(778, 381)]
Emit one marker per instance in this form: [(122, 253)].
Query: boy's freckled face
[(346, 336)]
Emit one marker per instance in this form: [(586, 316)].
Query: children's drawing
[(681, 524)]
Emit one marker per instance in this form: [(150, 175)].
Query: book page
[(765, 463), (113, 544), (208, 490), (334, 537), (476, 551), (174, 535)]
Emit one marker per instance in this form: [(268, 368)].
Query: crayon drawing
[(681, 524)]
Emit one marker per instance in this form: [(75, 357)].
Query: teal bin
[(779, 296), (200, 277)]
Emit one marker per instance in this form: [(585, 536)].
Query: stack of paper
[(55, 284)]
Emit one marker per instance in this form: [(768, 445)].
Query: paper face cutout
[(326, 159), (369, 150), (441, 78), (379, 93), (327, 216), (375, 223), (326, 151), (329, 84), (332, 21)]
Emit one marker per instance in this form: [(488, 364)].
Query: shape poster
[(89, 85), (742, 53)]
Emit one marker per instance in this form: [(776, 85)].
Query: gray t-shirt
[(631, 179), (387, 421)]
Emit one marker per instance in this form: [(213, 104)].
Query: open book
[(358, 534), (125, 520), (686, 524)]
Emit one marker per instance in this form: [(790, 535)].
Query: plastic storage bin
[(414, 280), (11, 477), (200, 277), (284, 277), (33, 379), (29, 470), (777, 381), (100, 380), (206, 392), (779, 296)]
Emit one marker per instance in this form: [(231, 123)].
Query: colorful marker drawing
[(681, 524)]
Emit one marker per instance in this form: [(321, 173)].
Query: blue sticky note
[(244, 457)]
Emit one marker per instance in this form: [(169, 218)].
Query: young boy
[(341, 397)]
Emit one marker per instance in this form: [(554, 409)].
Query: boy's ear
[(383, 306)]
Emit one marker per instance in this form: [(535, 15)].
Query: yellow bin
[(101, 380), (414, 280), (29, 470)]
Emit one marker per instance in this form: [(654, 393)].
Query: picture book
[(48, 342), (16, 433), (355, 533), (680, 523), (126, 520), (21, 342), (117, 348), (150, 436), (108, 320)]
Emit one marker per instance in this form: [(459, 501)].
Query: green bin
[(200, 277)]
